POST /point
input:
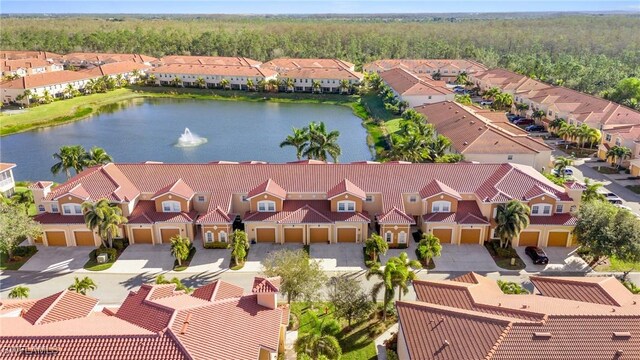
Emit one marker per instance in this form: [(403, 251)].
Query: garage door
[(318, 235), (347, 235), (557, 238), (56, 238), (266, 235), (470, 236), (84, 238), (443, 234), (528, 238), (167, 234), (293, 235), (142, 236)]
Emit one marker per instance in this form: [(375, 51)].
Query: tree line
[(586, 53)]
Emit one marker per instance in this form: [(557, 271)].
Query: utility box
[(102, 258)]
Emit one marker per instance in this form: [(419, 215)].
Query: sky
[(306, 6)]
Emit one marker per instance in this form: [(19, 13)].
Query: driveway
[(209, 260), (465, 258), (410, 250), (58, 259), (141, 258), (338, 257), (561, 259), (259, 252)]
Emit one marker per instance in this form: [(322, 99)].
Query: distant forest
[(585, 52)]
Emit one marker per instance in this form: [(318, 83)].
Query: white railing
[(6, 182)]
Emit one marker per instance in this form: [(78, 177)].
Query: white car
[(567, 172), (486, 102)]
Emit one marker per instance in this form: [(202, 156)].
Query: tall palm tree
[(565, 130), (538, 115), (288, 84), (375, 246), (69, 157), (177, 82), (402, 272), (502, 101), (511, 218), (491, 93), (250, 85), (27, 95), (23, 198), (436, 76), (200, 82), (561, 164), (180, 248), (104, 217), (320, 341), (322, 144), (557, 123), (97, 156), (151, 79), (262, 85), (592, 192), (522, 108), (19, 292), (299, 139), (225, 84), (462, 79), (47, 98), (429, 247), (618, 154), (463, 99), (345, 86), (272, 85), (385, 284), (593, 136), (316, 87), (83, 286), (439, 146)]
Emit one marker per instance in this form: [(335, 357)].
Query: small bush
[(112, 254), (392, 355), (216, 245), (25, 251), (120, 244)]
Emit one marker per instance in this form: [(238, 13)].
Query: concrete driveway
[(410, 250), (561, 259), (338, 257), (465, 258), (58, 259), (259, 252), (141, 258), (209, 260)]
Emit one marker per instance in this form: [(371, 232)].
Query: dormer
[(267, 197), (574, 189), (541, 201), (175, 197), (40, 191), (438, 197), (70, 203), (266, 290), (346, 197)]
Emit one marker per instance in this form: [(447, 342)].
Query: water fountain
[(189, 139)]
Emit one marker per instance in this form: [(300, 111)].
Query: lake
[(148, 129)]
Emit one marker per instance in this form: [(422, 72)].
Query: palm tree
[(502, 101), (83, 286), (538, 115), (436, 76), (23, 198), (509, 287), (374, 246), (299, 139), (104, 217), (428, 248), (97, 156), (177, 82), (316, 86), (511, 218), (200, 82), (565, 130), (250, 85), (151, 79), (591, 192), (557, 123), (121, 81), (240, 245), (19, 292), (262, 85), (272, 85), (618, 154), (47, 98), (522, 108), (69, 157), (321, 340), (561, 164), (180, 248), (288, 84), (593, 136), (345, 86), (402, 105), (322, 144), (386, 284), (70, 91), (491, 93), (438, 147), (403, 274), (462, 79), (27, 95), (225, 84), (463, 99)]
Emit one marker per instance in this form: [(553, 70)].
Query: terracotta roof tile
[(217, 216), (395, 216), (218, 70), (47, 79), (266, 285), (145, 213), (210, 60), (436, 187), (116, 68), (40, 184), (468, 212), (268, 187), (218, 290), (308, 211), (282, 64), (565, 219), (105, 58), (598, 290), (64, 305), (346, 187), (26, 54), (178, 188), (56, 218), (405, 83), (322, 73), (422, 65)]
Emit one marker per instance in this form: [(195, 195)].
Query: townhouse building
[(307, 202), (330, 75), (622, 135), (447, 69), (56, 83), (507, 81), (283, 64), (26, 54), (7, 183), (209, 60), (213, 75), (129, 70), (84, 59), (414, 90), (24, 67), (485, 136)]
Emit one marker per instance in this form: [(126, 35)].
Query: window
[(222, 236), (550, 112), (200, 198), (209, 236), (413, 198), (369, 198), (402, 237), (559, 208), (54, 208), (618, 143), (440, 206), (509, 157), (493, 233), (72, 209), (266, 206), (573, 208), (541, 209), (388, 236), (608, 137), (40, 208), (346, 206), (170, 206), (495, 212)]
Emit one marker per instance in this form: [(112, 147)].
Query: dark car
[(523, 122), (537, 255), (534, 128)]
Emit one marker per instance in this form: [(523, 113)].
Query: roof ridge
[(53, 303)]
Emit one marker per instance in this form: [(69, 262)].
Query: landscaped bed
[(502, 257), (113, 254), (20, 256), (606, 170), (185, 263), (634, 188)]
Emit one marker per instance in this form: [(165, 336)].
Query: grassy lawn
[(357, 342), (613, 264), (18, 261), (393, 125), (92, 265), (185, 263), (503, 260), (606, 170), (634, 188)]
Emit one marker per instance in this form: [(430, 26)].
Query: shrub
[(631, 286), (120, 244), (24, 251), (216, 245), (392, 355), (112, 253)]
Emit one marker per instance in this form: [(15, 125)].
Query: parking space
[(561, 259), (140, 258), (209, 260), (410, 250), (465, 258), (338, 257), (259, 252), (58, 259)]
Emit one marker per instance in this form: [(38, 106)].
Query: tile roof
[(47, 79), (40, 184), (346, 187), (605, 290), (467, 212), (266, 285), (26, 54), (436, 187), (407, 84), (322, 73), (306, 211), (6, 166), (145, 213), (104, 58), (422, 65), (13, 65), (395, 216), (305, 215), (281, 64), (268, 187), (218, 290), (178, 188), (210, 60), (564, 219), (508, 80), (216, 216), (116, 68), (219, 70), (64, 305), (57, 218)]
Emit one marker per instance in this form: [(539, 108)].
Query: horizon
[(310, 7)]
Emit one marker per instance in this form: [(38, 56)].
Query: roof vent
[(542, 335), (464, 116), (472, 122), (619, 352), (185, 324), (446, 343), (621, 335), (525, 306), (456, 111), (465, 143)]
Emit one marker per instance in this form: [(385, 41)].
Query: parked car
[(536, 254), (567, 172), (535, 128), (524, 122), (459, 90), (515, 118), (613, 198), (486, 102)]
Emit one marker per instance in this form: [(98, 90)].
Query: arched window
[(441, 206), (170, 206), (222, 236), (388, 236), (266, 206), (541, 209), (402, 237), (346, 206), (209, 236)]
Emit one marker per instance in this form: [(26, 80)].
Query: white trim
[(267, 206), (347, 204), (72, 210), (402, 234), (441, 206), (171, 206), (389, 241)]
